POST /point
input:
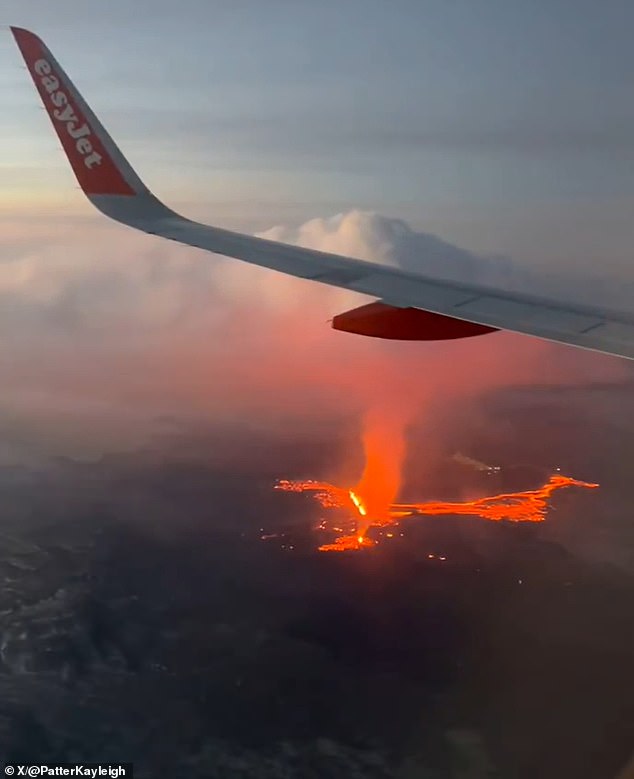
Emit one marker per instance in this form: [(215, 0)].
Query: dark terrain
[(143, 619)]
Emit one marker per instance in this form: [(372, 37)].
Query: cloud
[(113, 330)]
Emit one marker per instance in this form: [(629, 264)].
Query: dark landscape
[(143, 618)]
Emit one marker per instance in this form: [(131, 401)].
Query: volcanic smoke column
[(384, 450)]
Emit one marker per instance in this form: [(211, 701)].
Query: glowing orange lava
[(384, 450), (529, 506)]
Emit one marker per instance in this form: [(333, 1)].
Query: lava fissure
[(528, 506)]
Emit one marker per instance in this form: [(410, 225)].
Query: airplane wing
[(414, 306)]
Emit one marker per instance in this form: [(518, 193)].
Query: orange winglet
[(92, 163)]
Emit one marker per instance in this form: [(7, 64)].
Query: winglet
[(100, 167)]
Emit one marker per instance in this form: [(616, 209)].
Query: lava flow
[(372, 501), (529, 506)]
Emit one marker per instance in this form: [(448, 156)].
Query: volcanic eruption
[(372, 501)]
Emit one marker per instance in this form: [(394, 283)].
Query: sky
[(493, 138), (504, 127)]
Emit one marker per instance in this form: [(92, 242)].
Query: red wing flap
[(379, 320), (94, 168)]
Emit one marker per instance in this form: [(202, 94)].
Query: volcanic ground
[(143, 617)]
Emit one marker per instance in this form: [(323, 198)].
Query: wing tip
[(22, 35), (99, 166)]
